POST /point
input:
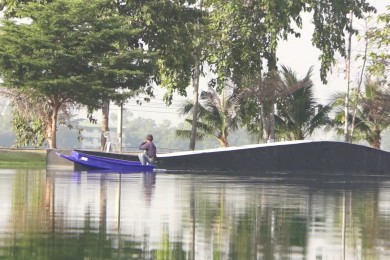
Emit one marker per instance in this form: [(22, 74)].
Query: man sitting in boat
[(149, 155)]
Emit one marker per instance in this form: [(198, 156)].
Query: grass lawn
[(15, 158)]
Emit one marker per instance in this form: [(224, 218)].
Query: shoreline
[(21, 158)]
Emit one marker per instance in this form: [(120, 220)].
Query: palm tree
[(259, 94), (217, 115), (372, 113), (298, 115)]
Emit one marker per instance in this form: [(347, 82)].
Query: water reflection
[(80, 215)]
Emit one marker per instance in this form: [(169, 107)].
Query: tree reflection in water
[(63, 215)]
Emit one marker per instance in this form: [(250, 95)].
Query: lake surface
[(80, 215)]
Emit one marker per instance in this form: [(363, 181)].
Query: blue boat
[(94, 162)]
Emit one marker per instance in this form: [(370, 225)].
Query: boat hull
[(94, 162), (304, 158)]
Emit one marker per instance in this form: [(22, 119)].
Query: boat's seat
[(112, 141)]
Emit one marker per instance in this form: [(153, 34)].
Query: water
[(80, 215)]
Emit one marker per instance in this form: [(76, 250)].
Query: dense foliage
[(91, 52), (372, 113), (71, 52), (379, 55), (298, 114)]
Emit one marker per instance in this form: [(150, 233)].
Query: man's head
[(149, 137)]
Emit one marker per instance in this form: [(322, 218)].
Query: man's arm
[(144, 146)]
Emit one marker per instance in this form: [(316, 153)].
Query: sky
[(296, 53)]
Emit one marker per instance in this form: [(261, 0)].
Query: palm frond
[(218, 113), (186, 108), (186, 134), (298, 113)]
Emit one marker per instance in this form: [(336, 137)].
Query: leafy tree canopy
[(380, 37), (246, 33), (72, 51), (170, 28)]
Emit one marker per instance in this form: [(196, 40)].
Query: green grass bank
[(22, 158)]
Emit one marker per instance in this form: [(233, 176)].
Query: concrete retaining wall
[(53, 161)]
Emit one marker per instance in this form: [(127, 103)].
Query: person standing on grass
[(149, 154)]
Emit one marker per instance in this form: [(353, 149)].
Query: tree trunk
[(348, 70), (48, 133), (105, 121), (260, 122), (264, 122), (51, 130), (358, 89), (376, 143), (195, 81), (195, 86), (223, 140), (268, 120), (272, 125), (53, 138)]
